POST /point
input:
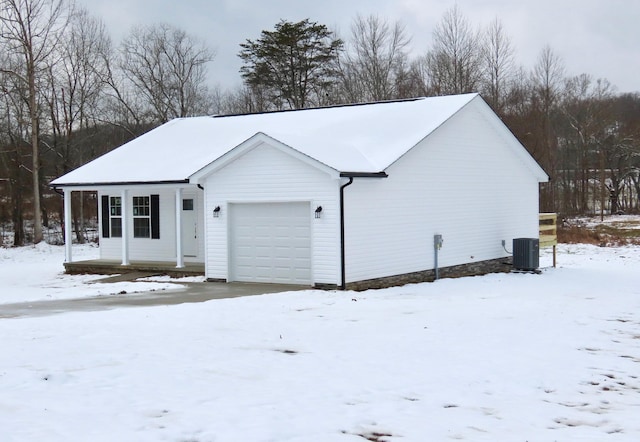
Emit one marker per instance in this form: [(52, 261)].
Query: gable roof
[(248, 145), (364, 138)]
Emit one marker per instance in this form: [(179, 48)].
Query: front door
[(189, 227)]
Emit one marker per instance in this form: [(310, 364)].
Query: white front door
[(270, 242), (189, 227)]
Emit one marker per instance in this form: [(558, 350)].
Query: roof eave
[(119, 183)]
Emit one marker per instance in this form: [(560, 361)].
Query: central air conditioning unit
[(526, 253)]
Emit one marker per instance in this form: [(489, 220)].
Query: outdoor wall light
[(216, 212), (318, 211)]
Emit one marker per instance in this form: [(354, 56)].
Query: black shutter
[(105, 216), (155, 216)]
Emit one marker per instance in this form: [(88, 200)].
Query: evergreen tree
[(294, 65)]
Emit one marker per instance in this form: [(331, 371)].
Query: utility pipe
[(343, 270)]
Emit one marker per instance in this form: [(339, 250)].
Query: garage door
[(270, 243)]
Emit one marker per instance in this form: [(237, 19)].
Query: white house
[(332, 197)]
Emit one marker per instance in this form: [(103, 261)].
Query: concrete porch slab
[(150, 268)]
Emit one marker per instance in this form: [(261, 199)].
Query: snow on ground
[(626, 221), (504, 357), (36, 273)]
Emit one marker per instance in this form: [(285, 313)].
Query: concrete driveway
[(194, 292)]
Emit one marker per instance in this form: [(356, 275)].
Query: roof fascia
[(128, 184), (521, 151)]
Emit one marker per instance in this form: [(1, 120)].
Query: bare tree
[(627, 129), (73, 97), (31, 30), (454, 63), (499, 65), (374, 60), (76, 83), (168, 67), (122, 106), (414, 79), (241, 100), (14, 150), (546, 78), (584, 119)]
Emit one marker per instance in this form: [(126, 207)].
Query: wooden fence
[(548, 232)]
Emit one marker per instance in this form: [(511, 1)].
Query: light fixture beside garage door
[(216, 212), (318, 211)]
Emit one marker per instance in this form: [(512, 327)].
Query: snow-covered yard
[(506, 357), (35, 273)]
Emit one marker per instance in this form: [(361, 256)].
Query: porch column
[(68, 238), (124, 200), (179, 251)]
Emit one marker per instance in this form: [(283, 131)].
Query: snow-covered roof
[(365, 138)]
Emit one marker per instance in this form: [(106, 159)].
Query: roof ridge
[(332, 106)]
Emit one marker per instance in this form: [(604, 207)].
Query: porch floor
[(110, 267)]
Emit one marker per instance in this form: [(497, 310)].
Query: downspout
[(343, 272), (351, 176)]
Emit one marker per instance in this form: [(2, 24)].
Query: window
[(145, 214), (115, 216), (141, 217)]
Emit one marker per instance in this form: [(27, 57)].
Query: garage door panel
[(270, 243), (260, 250)]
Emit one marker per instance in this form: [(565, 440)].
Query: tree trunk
[(17, 211), (76, 210), (37, 212)]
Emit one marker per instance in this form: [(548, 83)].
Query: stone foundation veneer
[(499, 265)]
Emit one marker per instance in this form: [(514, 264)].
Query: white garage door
[(270, 242)]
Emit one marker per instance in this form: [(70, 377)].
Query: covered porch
[(153, 228)]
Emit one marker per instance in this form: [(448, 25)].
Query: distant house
[(345, 196)]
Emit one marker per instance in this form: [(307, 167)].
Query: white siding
[(267, 174), (148, 249), (464, 181)]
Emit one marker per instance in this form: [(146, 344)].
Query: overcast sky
[(598, 37)]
